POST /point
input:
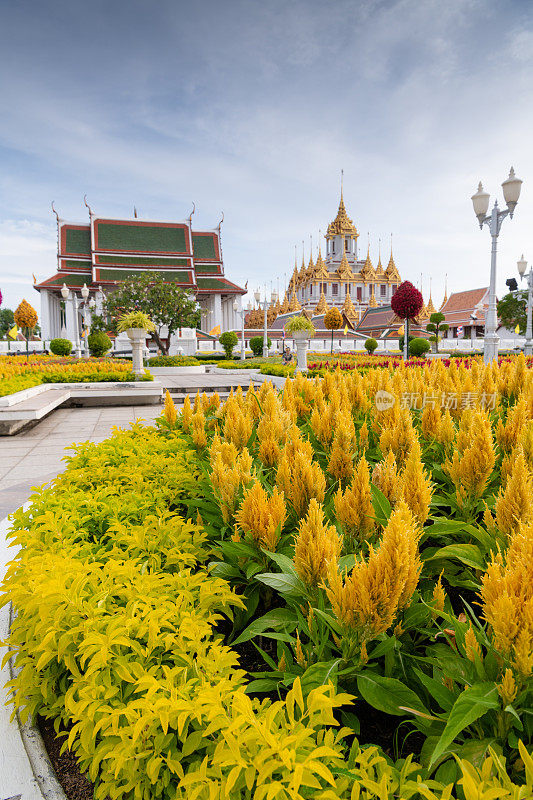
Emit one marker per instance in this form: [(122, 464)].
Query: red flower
[(407, 301)]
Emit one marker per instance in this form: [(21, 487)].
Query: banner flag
[(13, 332), (216, 331)]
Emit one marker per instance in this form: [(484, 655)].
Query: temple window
[(333, 245), (347, 245), (359, 293), (383, 289), (335, 288)]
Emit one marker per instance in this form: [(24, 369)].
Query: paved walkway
[(34, 457)]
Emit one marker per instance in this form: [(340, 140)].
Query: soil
[(75, 785)]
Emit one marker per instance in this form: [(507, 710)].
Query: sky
[(253, 109)]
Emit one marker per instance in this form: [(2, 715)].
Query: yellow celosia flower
[(398, 437), (473, 458), (508, 433), (507, 689), (439, 595), (170, 412), (198, 430), (367, 600), (514, 503), (228, 478), (507, 595), (299, 478), (341, 459), (431, 420), (386, 478), (186, 414), (238, 424), (354, 508), (316, 545), (262, 515), (472, 647), (363, 437), (415, 486)]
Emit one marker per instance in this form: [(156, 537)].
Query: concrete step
[(30, 411)]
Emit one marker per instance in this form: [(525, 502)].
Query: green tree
[(419, 347), (166, 304), (256, 345), (512, 310), (7, 320), (371, 345), (228, 340), (437, 326), (333, 321)]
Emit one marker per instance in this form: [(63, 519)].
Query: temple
[(338, 279), (103, 252)]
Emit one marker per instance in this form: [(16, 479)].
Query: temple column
[(46, 328), (217, 310)]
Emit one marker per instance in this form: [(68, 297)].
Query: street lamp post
[(265, 335), (241, 310), (522, 266), (480, 200)]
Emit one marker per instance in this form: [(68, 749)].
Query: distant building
[(342, 279), (106, 251), (466, 310)]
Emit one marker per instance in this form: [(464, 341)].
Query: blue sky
[(254, 108)]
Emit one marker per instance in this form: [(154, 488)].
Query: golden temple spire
[(430, 308), (372, 303), (285, 305), (322, 306), (392, 271), (348, 308), (445, 292), (379, 269), (294, 305), (367, 271), (342, 224)]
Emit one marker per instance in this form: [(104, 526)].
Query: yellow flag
[(345, 329), (401, 330), (216, 331), (517, 329), (13, 332)]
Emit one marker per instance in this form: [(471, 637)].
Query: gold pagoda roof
[(294, 305), (322, 305), (348, 308), (367, 270), (372, 303), (344, 271), (320, 271), (342, 224), (392, 271)]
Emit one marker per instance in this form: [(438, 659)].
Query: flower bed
[(18, 373), (377, 558)]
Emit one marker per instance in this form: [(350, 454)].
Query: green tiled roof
[(140, 238), (70, 279), (71, 264), (203, 245), (142, 262), (207, 269), (78, 241), (214, 283), (177, 276)]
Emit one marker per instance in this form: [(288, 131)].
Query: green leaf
[(444, 697), (222, 570), (284, 563), (347, 562), (471, 704), (261, 685), (330, 621), (285, 584), (277, 618), (319, 674), (382, 507), (468, 554), (388, 694)]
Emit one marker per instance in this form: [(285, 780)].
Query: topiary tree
[(7, 320), (419, 347), (61, 347), (256, 345), (371, 345), (333, 322), (26, 318), (99, 343), (436, 325), (228, 340), (406, 303)]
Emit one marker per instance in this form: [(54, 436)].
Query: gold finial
[(342, 181)]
